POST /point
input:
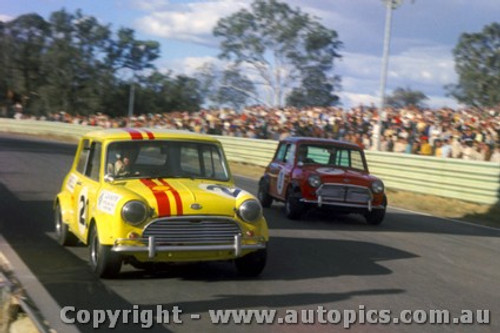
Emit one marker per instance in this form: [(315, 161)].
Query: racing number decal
[(223, 191), (233, 192), (281, 181), (83, 208)]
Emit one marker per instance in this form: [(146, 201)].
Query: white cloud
[(188, 65), (5, 18), (440, 101), (350, 100), (430, 65), (426, 69), (193, 21), (150, 5)]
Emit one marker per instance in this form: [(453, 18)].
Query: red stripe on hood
[(134, 134), (178, 201), (161, 198)]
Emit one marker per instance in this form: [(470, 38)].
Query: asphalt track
[(410, 262)]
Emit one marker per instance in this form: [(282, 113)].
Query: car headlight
[(134, 212), (250, 210), (314, 180), (377, 186)]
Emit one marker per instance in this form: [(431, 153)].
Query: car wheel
[(376, 216), (263, 195), (63, 235), (293, 206), (103, 262), (252, 264)]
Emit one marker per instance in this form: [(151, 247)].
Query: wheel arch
[(293, 188)]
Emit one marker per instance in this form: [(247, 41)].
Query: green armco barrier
[(472, 181)]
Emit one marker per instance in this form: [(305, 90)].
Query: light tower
[(390, 5)]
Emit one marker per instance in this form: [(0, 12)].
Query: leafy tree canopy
[(477, 63), (278, 46), (73, 63), (402, 97)]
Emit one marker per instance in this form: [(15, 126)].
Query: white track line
[(445, 218)]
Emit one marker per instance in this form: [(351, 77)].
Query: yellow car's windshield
[(166, 159)]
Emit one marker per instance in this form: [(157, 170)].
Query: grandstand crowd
[(468, 133)]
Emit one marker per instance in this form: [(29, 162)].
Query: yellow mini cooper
[(140, 196)]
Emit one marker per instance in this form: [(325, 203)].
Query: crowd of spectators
[(467, 133)]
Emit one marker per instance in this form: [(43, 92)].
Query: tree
[(316, 89), (24, 41), (75, 73), (235, 89), (128, 52), (73, 63), (278, 46), (477, 63), (228, 87), (402, 97)]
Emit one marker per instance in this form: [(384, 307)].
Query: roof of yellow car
[(146, 134)]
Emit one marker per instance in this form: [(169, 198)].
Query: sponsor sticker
[(281, 181), (108, 201), (70, 184)]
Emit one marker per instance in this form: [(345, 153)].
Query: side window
[(282, 149), (357, 160), (93, 167), (290, 154), (82, 159)]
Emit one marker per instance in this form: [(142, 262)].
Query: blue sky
[(424, 33)]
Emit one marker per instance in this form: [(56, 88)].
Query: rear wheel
[(252, 264), (63, 235), (103, 262), (263, 194)]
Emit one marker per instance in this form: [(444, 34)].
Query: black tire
[(103, 262), (263, 194), (252, 264), (63, 235), (293, 207), (376, 216)]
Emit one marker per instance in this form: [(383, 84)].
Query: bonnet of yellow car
[(184, 196)]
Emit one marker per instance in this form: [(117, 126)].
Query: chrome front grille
[(187, 230), (344, 193)]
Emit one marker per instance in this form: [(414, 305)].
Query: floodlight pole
[(390, 5)]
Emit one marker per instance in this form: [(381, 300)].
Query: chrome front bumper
[(152, 248), (321, 202), (344, 195)]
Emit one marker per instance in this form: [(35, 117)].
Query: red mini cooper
[(308, 173)]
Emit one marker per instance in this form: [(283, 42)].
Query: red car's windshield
[(329, 155)]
